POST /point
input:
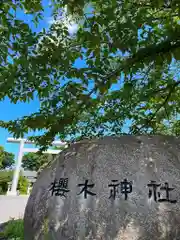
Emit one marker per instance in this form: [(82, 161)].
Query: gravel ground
[(12, 207)]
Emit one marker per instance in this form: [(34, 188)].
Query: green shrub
[(23, 185), (3, 187), (14, 230), (6, 176)]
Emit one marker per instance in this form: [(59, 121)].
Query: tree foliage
[(33, 161), (6, 177), (23, 184), (134, 44), (6, 159), (38, 161)]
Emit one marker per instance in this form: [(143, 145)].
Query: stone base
[(11, 193)]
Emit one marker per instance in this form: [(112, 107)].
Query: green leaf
[(169, 57), (176, 54), (126, 72)]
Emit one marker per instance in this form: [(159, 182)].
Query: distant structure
[(12, 188), (31, 176)]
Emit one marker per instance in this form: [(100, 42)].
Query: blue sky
[(11, 111)]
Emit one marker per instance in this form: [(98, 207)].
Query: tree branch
[(149, 52), (158, 109)]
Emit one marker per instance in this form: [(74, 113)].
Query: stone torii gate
[(22, 150)]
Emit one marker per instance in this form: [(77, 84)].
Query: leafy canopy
[(38, 161), (134, 44), (34, 161), (6, 159), (6, 176)]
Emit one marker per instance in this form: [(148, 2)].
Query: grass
[(13, 230)]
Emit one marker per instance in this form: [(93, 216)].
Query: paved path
[(12, 207)]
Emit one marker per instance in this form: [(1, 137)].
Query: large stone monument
[(115, 188)]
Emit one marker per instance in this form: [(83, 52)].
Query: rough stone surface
[(140, 160)]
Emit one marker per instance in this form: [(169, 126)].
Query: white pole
[(13, 191)]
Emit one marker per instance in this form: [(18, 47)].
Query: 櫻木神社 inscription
[(125, 187)]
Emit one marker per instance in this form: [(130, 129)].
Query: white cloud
[(50, 21), (66, 20), (72, 28)]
